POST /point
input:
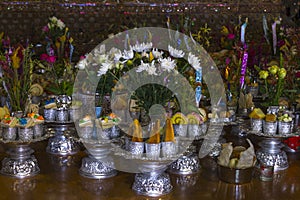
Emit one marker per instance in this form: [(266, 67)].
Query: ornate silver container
[(63, 101), (270, 128), (184, 165), (285, 127), (38, 130), (25, 134), (168, 149), (271, 153), (62, 144), (152, 150), (64, 141), (136, 148), (98, 164), (62, 115), (152, 184), (86, 132), (50, 114), (256, 125), (21, 163), (181, 130), (74, 114), (9, 133), (194, 131)]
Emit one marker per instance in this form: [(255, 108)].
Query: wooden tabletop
[(59, 179)]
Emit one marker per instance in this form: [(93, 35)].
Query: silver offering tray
[(21, 162), (98, 164), (271, 153), (151, 178)]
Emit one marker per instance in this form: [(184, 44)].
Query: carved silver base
[(187, 164), (62, 144), (95, 169), (270, 154), (21, 162), (152, 184)]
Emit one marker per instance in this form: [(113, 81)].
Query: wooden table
[(59, 179)]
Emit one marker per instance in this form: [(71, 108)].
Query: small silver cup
[(152, 150), (9, 133), (38, 130), (74, 114), (284, 127), (194, 130), (86, 132), (50, 114), (136, 148), (168, 149), (62, 115), (180, 130), (25, 134), (270, 128), (256, 125)]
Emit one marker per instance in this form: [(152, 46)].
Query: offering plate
[(21, 162), (270, 152), (151, 178)]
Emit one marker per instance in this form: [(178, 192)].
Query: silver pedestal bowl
[(270, 152), (20, 161), (149, 167), (65, 141), (98, 164)]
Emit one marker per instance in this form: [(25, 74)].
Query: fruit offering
[(285, 118), (270, 117), (179, 118), (257, 113)]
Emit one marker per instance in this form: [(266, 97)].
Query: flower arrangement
[(16, 73), (56, 62), (274, 80), (143, 58)]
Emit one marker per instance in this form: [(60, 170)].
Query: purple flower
[(280, 43), (45, 29)]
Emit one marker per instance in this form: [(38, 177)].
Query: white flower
[(157, 54), (53, 19), (105, 67), (100, 49), (167, 64), (60, 24), (142, 47), (175, 52), (100, 58), (149, 68), (128, 54), (194, 61), (82, 64)]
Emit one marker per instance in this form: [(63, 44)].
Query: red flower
[(297, 74), (44, 56)]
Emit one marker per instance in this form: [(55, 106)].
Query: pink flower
[(230, 36), (51, 59), (82, 57)]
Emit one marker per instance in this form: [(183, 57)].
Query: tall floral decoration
[(57, 60), (16, 73), (144, 59)]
